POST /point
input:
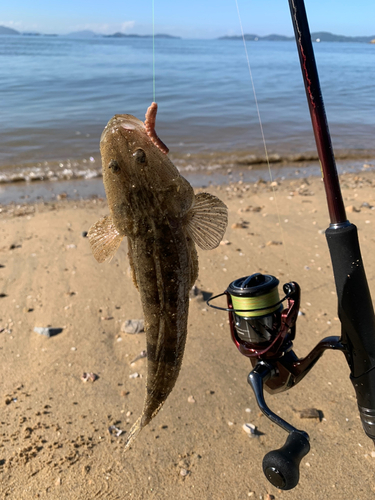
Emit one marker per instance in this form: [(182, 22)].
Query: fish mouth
[(127, 122)]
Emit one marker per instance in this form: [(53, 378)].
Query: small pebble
[(134, 375), (191, 399), (367, 205), (86, 469), (89, 377), (195, 293), (250, 429), (273, 243), (184, 472), (133, 326), (239, 225), (115, 430), (142, 354), (352, 208), (310, 413), (43, 331), (84, 234)]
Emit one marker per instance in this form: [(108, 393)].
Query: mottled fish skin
[(155, 208)]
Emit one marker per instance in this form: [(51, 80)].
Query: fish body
[(152, 205)]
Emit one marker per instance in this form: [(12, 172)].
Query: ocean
[(58, 93)]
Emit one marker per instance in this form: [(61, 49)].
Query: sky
[(189, 19)]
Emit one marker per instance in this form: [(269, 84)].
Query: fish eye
[(140, 156), (114, 166)]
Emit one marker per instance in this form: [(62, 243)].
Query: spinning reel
[(263, 331)]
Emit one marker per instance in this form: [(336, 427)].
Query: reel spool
[(259, 325), (255, 308)]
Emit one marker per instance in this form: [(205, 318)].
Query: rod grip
[(355, 307), (356, 314)]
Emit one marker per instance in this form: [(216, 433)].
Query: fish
[(156, 209)]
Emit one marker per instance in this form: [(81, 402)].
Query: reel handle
[(281, 467)]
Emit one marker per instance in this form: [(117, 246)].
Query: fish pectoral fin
[(207, 221), (104, 239)]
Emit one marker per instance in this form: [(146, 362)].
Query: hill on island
[(8, 31), (317, 36)]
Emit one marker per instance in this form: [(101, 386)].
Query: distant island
[(8, 31), (124, 35), (318, 36), (83, 34), (118, 34)]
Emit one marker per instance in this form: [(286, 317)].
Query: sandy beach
[(55, 442)]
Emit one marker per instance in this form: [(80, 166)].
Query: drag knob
[(281, 466)]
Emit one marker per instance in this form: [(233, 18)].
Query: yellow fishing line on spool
[(268, 303)]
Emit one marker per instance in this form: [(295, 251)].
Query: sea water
[(58, 93)]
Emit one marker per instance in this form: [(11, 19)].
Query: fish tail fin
[(133, 433)]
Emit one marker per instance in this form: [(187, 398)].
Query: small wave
[(189, 163), (51, 171)]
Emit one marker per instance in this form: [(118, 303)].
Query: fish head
[(136, 172)]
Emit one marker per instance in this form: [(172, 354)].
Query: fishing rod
[(355, 306), (264, 331)]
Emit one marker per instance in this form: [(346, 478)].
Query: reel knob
[(281, 467)]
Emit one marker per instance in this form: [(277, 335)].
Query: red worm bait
[(150, 128)]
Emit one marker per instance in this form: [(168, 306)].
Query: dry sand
[(55, 441)]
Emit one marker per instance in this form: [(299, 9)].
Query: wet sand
[(55, 442)]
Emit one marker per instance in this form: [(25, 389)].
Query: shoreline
[(245, 168), (302, 183)]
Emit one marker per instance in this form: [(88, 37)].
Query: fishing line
[(153, 51), (263, 137)]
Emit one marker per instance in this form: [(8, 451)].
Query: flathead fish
[(152, 205)]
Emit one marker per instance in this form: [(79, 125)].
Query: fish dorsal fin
[(104, 239), (207, 221)]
